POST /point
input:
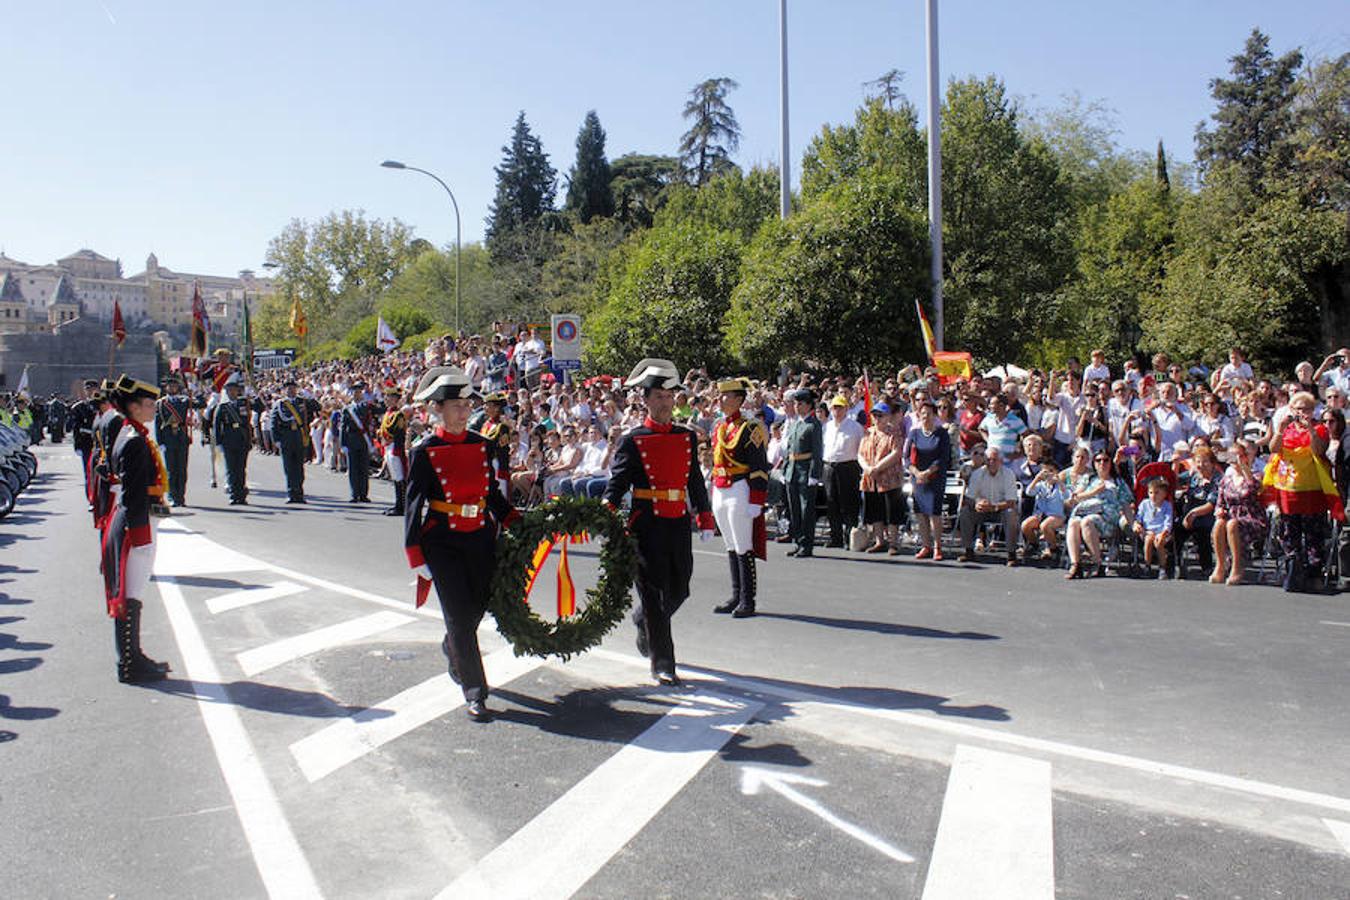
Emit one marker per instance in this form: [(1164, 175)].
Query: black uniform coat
[(133, 462)]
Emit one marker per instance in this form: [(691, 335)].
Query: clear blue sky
[(199, 130)]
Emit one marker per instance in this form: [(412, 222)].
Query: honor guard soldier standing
[(740, 485), (103, 481), (129, 544), (454, 510), (81, 423), (290, 433), (394, 434), (234, 436), (56, 418), (659, 461), (803, 459), (174, 437), (354, 434), (491, 426)]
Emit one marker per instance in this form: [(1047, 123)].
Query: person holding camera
[(1299, 482)]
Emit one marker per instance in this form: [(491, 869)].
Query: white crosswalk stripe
[(269, 656), (250, 596), (1341, 830)]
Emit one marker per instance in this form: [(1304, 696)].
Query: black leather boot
[(133, 666), (400, 491), (735, 600), (746, 608)]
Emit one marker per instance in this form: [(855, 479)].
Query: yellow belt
[(156, 491), (654, 494), (465, 510)]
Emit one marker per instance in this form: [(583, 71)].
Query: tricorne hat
[(453, 384), (654, 373), (739, 383)]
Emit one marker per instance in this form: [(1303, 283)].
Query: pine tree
[(526, 189), (1160, 169), (588, 191), (1255, 115), (706, 148)]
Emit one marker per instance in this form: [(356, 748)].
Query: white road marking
[(996, 836), (268, 656), (281, 863), (1341, 830), (347, 740), (755, 777), (180, 551), (607, 808), (1341, 624), (430, 611), (804, 700), (250, 596)]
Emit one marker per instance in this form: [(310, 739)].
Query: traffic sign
[(566, 338)]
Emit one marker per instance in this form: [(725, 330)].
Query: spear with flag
[(22, 389), (385, 339), (299, 324), (201, 323), (119, 334)]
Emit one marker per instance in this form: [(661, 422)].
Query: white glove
[(423, 571), (755, 510), (706, 534), (813, 482)]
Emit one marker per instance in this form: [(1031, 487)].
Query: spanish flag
[(1298, 481), (298, 322), (929, 342), (567, 591)]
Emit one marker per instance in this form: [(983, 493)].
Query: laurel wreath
[(608, 600)]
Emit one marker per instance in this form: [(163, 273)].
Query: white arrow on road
[(755, 777)]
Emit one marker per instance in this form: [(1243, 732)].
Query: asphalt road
[(885, 728)]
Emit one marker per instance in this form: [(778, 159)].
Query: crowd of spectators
[(1074, 468)]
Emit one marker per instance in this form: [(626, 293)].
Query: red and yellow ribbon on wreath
[(566, 588)]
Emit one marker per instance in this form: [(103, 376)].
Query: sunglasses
[(1101, 459)]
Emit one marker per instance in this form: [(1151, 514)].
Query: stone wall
[(59, 362)]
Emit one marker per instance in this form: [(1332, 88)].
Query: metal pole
[(785, 167), (455, 204), (935, 173)]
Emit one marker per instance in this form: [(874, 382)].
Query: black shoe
[(795, 551), (354, 500), (728, 606), (966, 556), (478, 711), (137, 672), (804, 553), (744, 611), (835, 545), (393, 511), (364, 500), (643, 646), (667, 677)]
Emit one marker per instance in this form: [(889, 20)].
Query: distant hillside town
[(35, 298)]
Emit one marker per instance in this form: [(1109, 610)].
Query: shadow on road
[(224, 583), (21, 664), (24, 713), (12, 642), (264, 698), (880, 627)]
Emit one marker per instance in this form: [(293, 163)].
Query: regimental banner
[(265, 358)]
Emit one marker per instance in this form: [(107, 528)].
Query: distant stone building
[(60, 358)]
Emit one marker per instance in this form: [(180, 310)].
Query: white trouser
[(140, 563), (731, 509), (395, 467)]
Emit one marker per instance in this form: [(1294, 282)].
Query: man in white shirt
[(591, 476), (1118, 408), (991, 496), (843, 498), (529, 356), (1069, 404), (1237, 370), (1172, 421)]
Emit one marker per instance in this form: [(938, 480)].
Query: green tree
[(887, 88), (1321, 138), (835, 284), (881, 140), (588, 184), (573, 279), (713, 135), (1255, 114), (1082, 134), (639, 183), (733, 201), (1160, 168), (526, 189), (669, 300)]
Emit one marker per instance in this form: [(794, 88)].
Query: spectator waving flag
[(201, 323), (929, 343), (385, 340), (119, 326)]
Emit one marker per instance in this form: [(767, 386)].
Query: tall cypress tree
[(526, 189), (588, 191), (1160, 169)]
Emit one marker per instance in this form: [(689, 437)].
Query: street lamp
[(395, 164)]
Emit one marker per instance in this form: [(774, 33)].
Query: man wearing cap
[(803, 458), (659, 461), (842, 437), (174, 437), (453, 513), (740, 486), (107, 426), (234, 436), (394, 433), (80, 421), (355, 432), (290, 433)]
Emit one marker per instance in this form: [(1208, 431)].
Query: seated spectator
[(592, 471), (1213, 422), (1199, 495), (1153, 524), (1239, 517), (1047, 493), (990, 496), (1096, 514), (1093, 428)]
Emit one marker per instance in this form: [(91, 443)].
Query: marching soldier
[(290, 433), (454, 510), (234, 436), (803, 459), (103, 480), (394, 433), (492, 425), (174, 437), (354, 433), (129, 545), (81, 423), (740, 485), (56, 418), (659, 461)]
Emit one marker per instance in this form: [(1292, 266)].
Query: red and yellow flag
[(1298, 481), (567, 591), (929, 342)]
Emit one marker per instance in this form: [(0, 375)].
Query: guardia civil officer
[(290, 433), (740, 484), (57, 411), (107, 426), (80, 421), (454, 510), (803, 461), (174, 436), (233, 434), (659, 461), (355, 432), (129, 544)]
